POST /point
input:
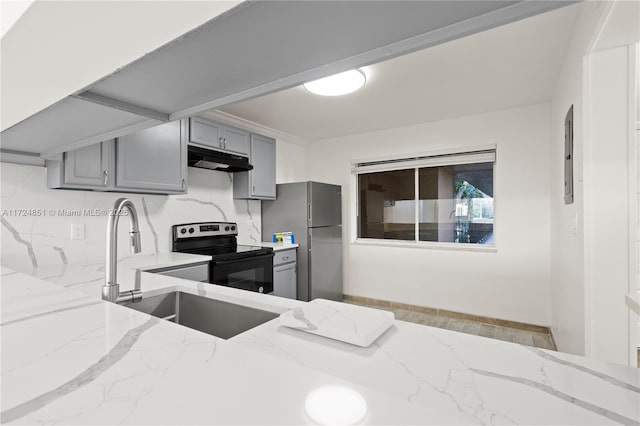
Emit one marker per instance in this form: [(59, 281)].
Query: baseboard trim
[(553, 340), (451, 314)]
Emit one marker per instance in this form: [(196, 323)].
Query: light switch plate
[(574, 224), (77, 231)]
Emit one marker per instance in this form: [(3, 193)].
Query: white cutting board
[(353, 324)]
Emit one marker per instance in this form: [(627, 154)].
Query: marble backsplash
[(36, 221)]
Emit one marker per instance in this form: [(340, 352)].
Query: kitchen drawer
[(284, 256), (198, 272)]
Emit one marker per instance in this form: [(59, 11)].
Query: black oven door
[(253, 273)]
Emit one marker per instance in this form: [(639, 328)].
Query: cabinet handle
[(183, 184), (106, 176), (225, 143), (220, 141), (285, 258), (254, 189)]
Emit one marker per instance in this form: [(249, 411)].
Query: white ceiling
[(516, 64)]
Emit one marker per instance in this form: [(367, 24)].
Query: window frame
[(413, 161)]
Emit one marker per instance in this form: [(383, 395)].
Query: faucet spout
[(111, 288)]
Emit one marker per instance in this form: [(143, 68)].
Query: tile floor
[(531, 338)]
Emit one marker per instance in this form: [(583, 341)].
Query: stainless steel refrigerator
[(313, 212)]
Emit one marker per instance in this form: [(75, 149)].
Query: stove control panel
[(204, 229)]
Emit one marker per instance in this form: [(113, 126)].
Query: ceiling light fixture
[(338, 84)]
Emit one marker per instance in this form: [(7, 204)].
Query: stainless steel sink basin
[(220, 319)]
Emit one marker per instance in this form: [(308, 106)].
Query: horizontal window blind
[(486, 156)]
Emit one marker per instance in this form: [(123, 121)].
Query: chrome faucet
[(111, 288)]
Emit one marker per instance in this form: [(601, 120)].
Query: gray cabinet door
[(263, 159), (153, 159), (235, 140), (88, 166), (205, 132), (260, 182), (285, 281)]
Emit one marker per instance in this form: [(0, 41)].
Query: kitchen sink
[(215, 317)]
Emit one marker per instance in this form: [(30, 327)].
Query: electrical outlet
[(77, 231)]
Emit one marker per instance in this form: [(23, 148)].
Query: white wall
[(589, 238), (567, 235), (512, 283), (59, 47), (607, 201), (291, 158), (210, 198)]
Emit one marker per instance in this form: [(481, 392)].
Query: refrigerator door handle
[(309, 213)]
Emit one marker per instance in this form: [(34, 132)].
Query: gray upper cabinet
[(235, 140), (259, 183), (205, 132), (90, 167), (149, 161), (153, 159), (221, 137)]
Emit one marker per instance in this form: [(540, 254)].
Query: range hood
[(216, 160)]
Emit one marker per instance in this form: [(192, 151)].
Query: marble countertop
[(68, 357), (278, 246)]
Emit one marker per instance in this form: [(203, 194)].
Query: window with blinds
[(441, 198)]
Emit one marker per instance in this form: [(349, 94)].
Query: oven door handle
[(230, 261)]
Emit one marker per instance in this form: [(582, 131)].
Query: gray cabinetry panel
[(148, 161), (260, 182), (284, 256), (235, 140), (263, 159), (205, 132), (152, 159), (266, 46), (88, 166), (221, 137), (253, 50), (71, 120), (285, 281), (285, 273)]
